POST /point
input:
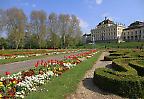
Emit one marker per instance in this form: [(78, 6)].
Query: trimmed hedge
[(124, 54), (126, 75), (126, 86), (110, 58), (137, 64)]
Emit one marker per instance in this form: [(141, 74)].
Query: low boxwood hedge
[(138, 65), (122, 66), (110, 58), (126, 75), (126, 86)]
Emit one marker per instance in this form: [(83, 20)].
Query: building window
[(128, 37), (131, 37), (136, 38), (140, 32), (136, 32)]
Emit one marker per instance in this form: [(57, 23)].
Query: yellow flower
[(1, 84), (0, 96), (14, 82)]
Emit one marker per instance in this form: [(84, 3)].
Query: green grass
[(114, 45), (66, 84)]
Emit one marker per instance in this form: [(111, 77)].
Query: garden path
[(25, 65), (86, 88)]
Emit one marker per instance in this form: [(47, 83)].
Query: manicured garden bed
[(22, 83), (62, 86), (10, 56)]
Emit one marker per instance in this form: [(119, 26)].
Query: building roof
[(135, 25), (106, 21), (87, 35)]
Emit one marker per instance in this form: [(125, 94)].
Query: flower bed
[(34, 53), (22, 83)]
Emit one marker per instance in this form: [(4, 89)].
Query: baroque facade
[(86, 38), (134, 32), (107, 30)]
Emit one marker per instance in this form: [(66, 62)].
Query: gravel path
[(24, 65), (87, 90)]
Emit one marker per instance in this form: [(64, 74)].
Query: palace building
[(107, 30), (134, 32), (86, 38)]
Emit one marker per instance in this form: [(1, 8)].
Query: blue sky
[(90, 12)]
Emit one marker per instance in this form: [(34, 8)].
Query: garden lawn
[(115, 45), (60, 87)]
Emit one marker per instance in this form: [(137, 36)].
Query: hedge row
[(124, 54), (137, 64), (126, 86), (125, 77)]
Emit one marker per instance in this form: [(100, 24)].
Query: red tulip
[(42, 62), (7, 73), (45, 64), (36, 65)]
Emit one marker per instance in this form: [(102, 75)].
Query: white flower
[(50, 73), (22, 96)]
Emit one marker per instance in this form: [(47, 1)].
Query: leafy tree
[(3, 43)]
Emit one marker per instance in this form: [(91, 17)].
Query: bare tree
[(3, 21), (53, 30), (38, 23), (16, 26), (75, 30), (64, 23)]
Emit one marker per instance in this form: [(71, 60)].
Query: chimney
[(105, 18)]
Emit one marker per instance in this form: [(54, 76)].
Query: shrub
[(138, 65), (126, 86), (126, 75)]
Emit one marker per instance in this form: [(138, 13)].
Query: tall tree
[(64, 22), (38, 23), (75, 30), (16, 26), (3, 20), (53, 30)]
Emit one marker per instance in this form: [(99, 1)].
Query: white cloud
[(99, 2), (84, 25), (33, 5), (90, 3)]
